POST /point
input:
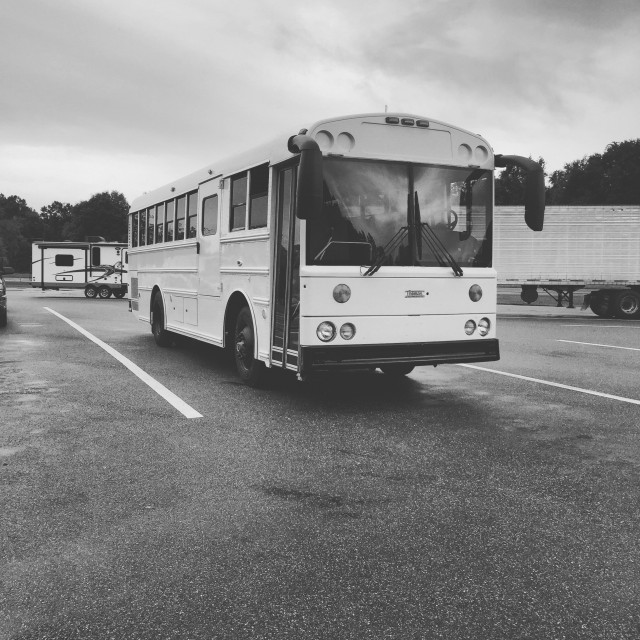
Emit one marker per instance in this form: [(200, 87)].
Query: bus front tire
[(90, 291), (104, 292), (250, 370), (160, 334), (397, 370)]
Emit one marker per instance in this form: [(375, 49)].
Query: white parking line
[(160, 389), (595, 344), (605, 326), (553, 384)]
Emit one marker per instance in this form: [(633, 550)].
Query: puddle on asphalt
[(5, 452)]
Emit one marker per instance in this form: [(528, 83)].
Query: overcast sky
[(128, 95)]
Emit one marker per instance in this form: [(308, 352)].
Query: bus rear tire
[(104, 292), (90, 291), (397, 370), (160, 334), (250, 370), (119, 294)]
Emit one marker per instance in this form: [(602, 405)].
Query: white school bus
[(363, 241)]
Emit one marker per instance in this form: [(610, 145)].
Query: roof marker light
[(408, 121), (392, 120), (422, 123)]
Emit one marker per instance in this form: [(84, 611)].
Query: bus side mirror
[(309, 185), (534, 189)]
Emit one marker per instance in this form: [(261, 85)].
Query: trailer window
[(95, 256), (210, 216), (64, 260)]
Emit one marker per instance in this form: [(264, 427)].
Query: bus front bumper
[(422, 353)]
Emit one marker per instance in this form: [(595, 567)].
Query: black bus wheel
[(104, 292), (90, 291), (162, 337), (250, 369), (119, 294)]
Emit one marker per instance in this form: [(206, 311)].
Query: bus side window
[(134, 230), (259, 189), (151, 225), (238, 219), (210, 216), (168, 225), (160, 222), (192, 214), (180, 214)]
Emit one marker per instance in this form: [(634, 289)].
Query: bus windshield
[(380, 210)]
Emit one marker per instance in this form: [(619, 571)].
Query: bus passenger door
[(286, 280), (210, 314)]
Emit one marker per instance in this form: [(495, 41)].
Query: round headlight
[(341, 293), (475, 292), (326, 331), (484, 326), (469, 327), (347, 331)]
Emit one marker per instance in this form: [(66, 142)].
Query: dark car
[(3, 294)]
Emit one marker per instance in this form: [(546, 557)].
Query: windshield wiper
[(332, 242), (384, 252), (434, 243)]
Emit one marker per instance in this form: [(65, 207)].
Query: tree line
[(104, 215), (612, 177)]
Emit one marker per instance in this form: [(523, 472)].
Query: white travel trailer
[(97, 267)]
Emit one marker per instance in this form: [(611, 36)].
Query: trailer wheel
[(119, 294), (397, 370), (249, 368), (162, 337), (90, 291), (627, 305), (104, 292)]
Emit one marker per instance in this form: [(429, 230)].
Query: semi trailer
[(596, 248)]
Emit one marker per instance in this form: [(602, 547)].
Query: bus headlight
[(347, 331), (341, 293), (469, 327), (475, 292), (484, 326), (326, 331)]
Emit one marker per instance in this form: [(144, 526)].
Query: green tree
[(18, 224), (510, 185), (104, 214), (612, 177), (54, 217)]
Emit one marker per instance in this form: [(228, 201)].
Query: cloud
[(168, 84)]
